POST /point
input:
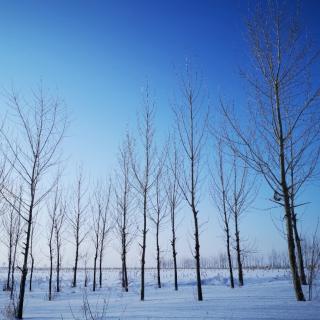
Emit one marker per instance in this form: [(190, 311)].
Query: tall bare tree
[(78, 221), (106, 225), (101, 228), (143, 172), (191, 120), (53, 211), (125, 224), (96, 209), (59, 223), (284, 111), (159, 213), (242, 195), (32, 152), (174, 198), (221, 193)]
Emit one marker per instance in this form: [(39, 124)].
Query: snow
[(267, 294)]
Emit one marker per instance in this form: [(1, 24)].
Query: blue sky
[(98, 55)]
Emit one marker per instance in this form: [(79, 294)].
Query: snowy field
[(267, 294)]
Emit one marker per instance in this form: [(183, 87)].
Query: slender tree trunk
[(294, 221), (298, 244), (58, 272), (13, 269), (197, 253), (75, 268), (58, 268), (229, 258), (53, 218), (174, 252), (12, 282), (31, 273), (100, 267), (143, 247), (95, 271), (8, 286), (122, 274), (291, 247), (299, 253), (50, 276), (238, 249), (85, 275), (158, 257), (124, 260), (126, 285)]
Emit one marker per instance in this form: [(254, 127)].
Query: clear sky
[(98, 55)]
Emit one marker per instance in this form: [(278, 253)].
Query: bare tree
[(191, 122), (101, 227), (58, 231), (96, 209), (53, 214), (243, 194), (125, 225), (220, 194), (174, 198), (142, 172), (106, 226), (284, 112), (40, 127), (158, 214), (78, 221)]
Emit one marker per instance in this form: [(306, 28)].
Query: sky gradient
[(98, 55)]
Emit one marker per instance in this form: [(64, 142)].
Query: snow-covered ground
[(267, 294)]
